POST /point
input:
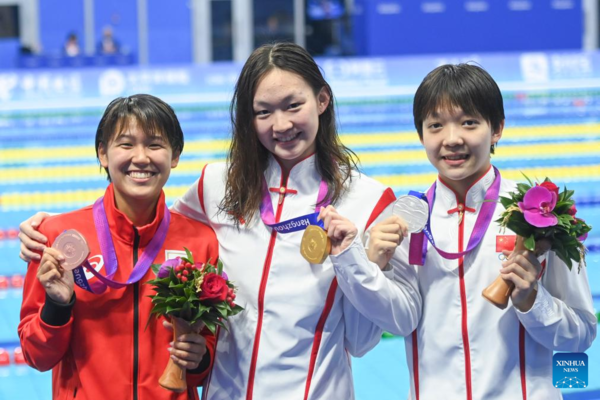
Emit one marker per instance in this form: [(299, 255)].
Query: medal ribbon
[(418, 246), (294, 224), (110, 256)]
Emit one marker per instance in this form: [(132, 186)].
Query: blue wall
[(122, 16), (170, 32), (388, 27), (9, 50), (57, 19)]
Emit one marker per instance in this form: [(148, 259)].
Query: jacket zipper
[(463, 302), (261, 298), (136, 292)]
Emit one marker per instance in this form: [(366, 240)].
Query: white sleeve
[(389, 300), (361, 334), (189, 204), (562, 317)]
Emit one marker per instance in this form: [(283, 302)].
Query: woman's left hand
[(522, 269), (188, 350), (340, 230)]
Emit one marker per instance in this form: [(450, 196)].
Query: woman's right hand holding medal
[(57, 282), (384, 238)]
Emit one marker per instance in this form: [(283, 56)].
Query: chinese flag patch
[(505, 242)]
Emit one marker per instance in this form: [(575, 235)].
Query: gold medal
[(315, 245)]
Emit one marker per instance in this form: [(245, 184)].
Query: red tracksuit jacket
[(98, 347)]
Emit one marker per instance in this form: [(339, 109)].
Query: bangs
[(450, 96), (124, 115), (151, 127)]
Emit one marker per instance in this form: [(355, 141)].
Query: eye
[(470, 122), (125, 145), (261, 113), (434, 125), (294, 105), (156, 146)]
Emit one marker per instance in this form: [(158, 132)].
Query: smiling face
[(139, 166), (286, 115), (458, 146)]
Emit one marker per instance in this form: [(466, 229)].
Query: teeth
[(140, 175), (287, 138), (458, 157)]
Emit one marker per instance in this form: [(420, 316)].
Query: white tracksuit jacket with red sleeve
[(301, 321), (467, 349)]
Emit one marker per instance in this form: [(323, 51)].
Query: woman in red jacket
[(96, 341)]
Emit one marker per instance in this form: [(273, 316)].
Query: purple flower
[(224, 275), (537, 206), (163, 272)]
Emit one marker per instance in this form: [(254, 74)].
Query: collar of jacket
[(446, 198), (122, 228), (303, 176)]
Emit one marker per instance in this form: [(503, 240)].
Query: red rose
[(214, 288), (550, 186), (573, 210)]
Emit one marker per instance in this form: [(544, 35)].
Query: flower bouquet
[(191, 295), (541, 217)]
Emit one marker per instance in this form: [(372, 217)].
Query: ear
[(102, 156), (175, 160), (498, 133), (323, 99)]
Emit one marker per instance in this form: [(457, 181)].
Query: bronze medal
[(315, 245), (73, 246)]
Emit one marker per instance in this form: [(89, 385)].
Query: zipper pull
[(461, 213), (281, 195)]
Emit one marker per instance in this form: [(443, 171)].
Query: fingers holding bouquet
[(188, 349)]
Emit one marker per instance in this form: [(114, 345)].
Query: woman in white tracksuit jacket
[(464, 348), (301, 321)]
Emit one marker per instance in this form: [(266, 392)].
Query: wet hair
[(248, 158), (151, 114), (465, 86)]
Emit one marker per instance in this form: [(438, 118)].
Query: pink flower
[(537, 206)]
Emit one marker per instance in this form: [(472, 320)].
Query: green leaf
[(529, 243), (211, 326), (528, 180), (236, 309), (505, 201), (219, 267), (523, 188), (222, 308), (189, 255)]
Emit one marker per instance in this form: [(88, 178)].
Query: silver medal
[(412, 210)]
